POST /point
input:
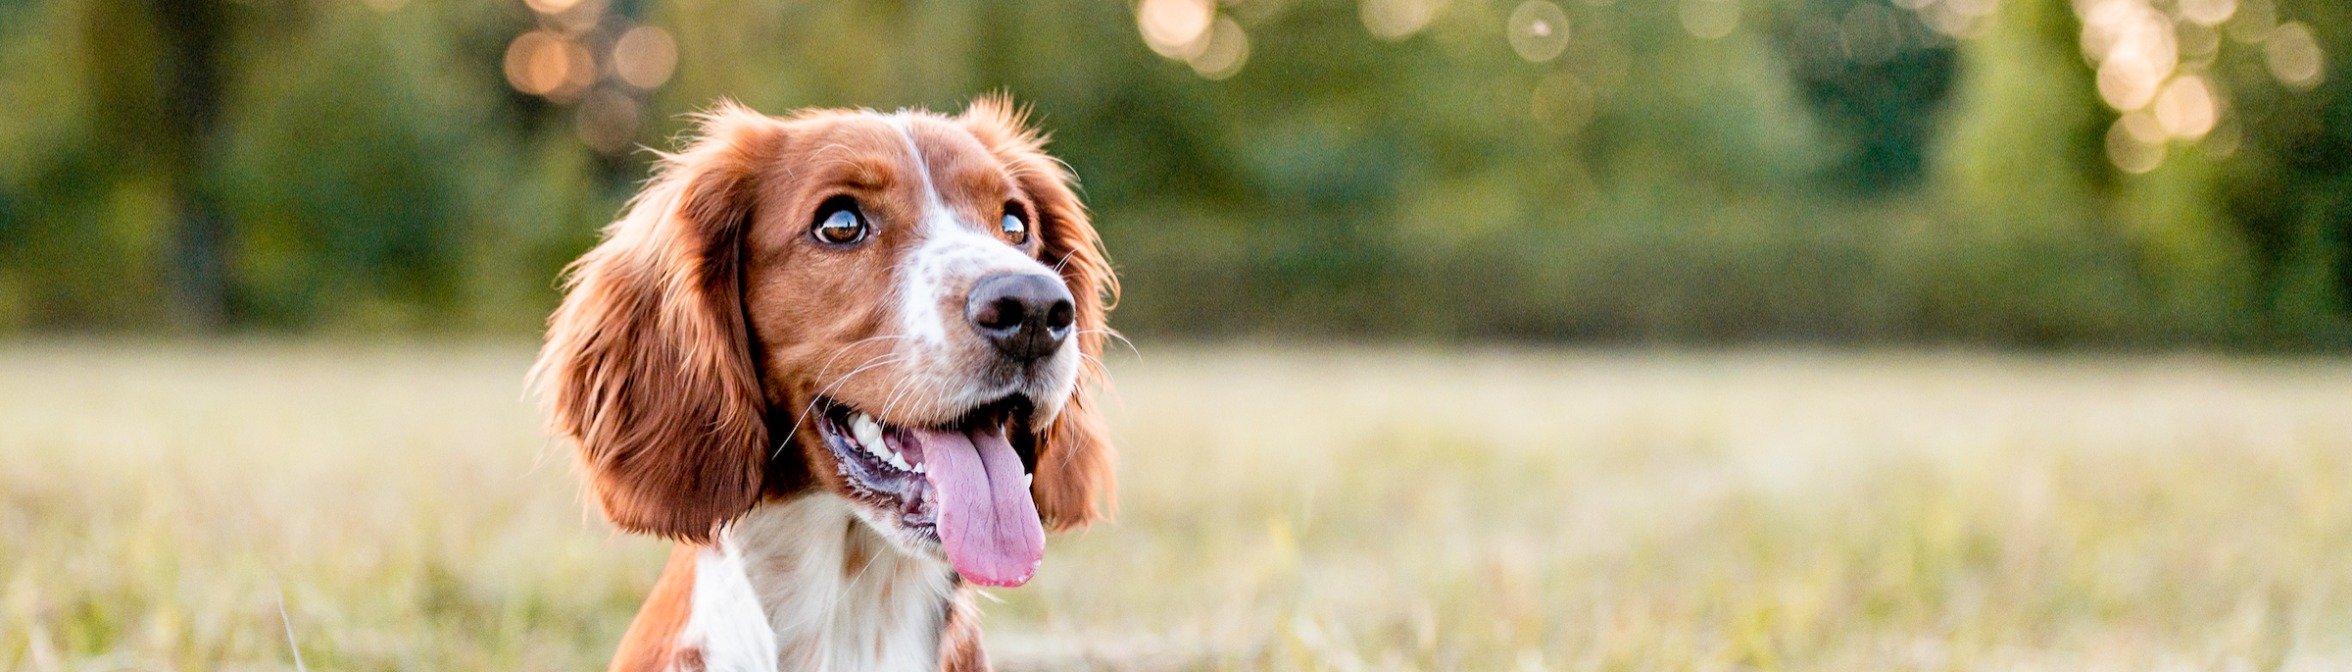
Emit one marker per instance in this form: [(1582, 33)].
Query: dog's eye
[(1015, 226), (840, 223)]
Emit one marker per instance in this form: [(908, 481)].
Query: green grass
[(1357, 509)]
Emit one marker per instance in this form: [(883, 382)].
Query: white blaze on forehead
[(948, 258)]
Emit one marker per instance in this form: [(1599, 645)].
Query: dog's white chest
[(802, 585)]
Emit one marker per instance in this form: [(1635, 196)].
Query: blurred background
[(2008, 172), (1679, 334)]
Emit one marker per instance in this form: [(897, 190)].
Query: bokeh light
[(2128, 84), (583, 56), (1176, 28), (2156, 64), (1398, 19), (575, 18), (1227, 49), (1574, 148), (1957, 18), (1538, 30), (2293, 55), (552, 7), (545, 64), (1709, 19), (2187, 108), (2134, 47), (2208, 12), (645, 56)]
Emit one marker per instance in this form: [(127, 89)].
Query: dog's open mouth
[(963, 484)]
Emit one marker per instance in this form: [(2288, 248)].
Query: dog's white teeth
[(1028, 480), (867, 431)]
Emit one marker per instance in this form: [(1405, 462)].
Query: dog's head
[(901, 309)]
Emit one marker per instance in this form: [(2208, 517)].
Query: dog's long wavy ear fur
[(647, 368), (1075, 481)]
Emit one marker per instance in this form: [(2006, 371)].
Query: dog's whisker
[(1113, 333), (802, 417), (851, 347), (897, 389)]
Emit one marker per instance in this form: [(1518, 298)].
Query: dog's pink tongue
[(986, 519)]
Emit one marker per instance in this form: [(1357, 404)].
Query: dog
[(842, 359)]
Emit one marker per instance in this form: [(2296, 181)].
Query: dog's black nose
[(1026, 315)]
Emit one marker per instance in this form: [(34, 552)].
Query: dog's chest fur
[(802, 585)]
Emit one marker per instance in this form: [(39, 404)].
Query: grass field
[(1357, 509)]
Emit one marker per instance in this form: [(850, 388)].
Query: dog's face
[(899, 309), (908, 323)]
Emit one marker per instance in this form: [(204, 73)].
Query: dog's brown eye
[(1016, 228), (840, 223)]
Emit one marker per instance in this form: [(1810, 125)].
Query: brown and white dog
[(826, 354)]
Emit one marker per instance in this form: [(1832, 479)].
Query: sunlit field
[(161, 507)]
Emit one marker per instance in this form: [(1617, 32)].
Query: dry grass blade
[(1358, 509)]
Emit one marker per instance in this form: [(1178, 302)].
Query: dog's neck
[(801, 584)]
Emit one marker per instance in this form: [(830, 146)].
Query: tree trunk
[(192, 33)]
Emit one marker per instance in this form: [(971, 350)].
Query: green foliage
[(2289, 191), (1828, 170)]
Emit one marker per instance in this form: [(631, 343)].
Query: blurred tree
[(189, 82), (1878, 76), (2289, 188), (1713, 170), (350, 210), (2027, 251), (72, 257)]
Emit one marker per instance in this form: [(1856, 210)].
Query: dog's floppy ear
[(647, 368), (1075, 482)]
